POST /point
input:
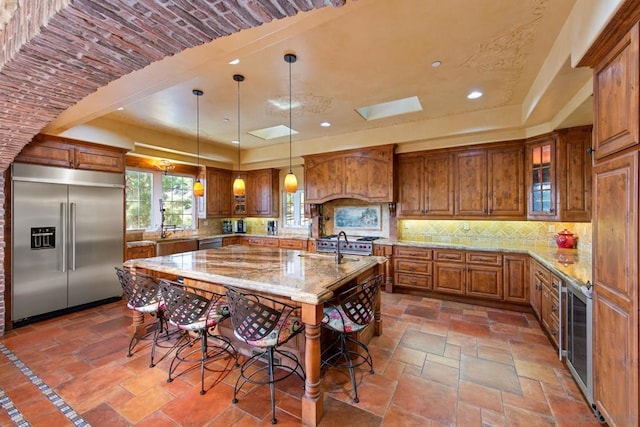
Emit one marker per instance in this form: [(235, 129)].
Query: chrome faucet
[(338, 254)]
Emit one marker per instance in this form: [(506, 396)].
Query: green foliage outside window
[(177, 196), (138, 199)]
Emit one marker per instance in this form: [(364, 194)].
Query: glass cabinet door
[(542, 182)]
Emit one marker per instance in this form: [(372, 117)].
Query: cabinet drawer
[(291, 244), (140, 252), (414, 281), (449, 256), (254, 242), (484, 258), (412, 252), (406, 266), (272, 243), (540, 273)]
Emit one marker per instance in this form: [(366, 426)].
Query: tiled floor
[(437, 364)]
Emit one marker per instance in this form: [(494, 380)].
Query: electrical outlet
[(465, 226), (551, 228), (206, 223)]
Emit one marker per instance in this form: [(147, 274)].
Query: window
[(143, 193), (138, 204), (293, 210), (177, 198)]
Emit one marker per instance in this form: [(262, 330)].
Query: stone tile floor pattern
[(437, 364)]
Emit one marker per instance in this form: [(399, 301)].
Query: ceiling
[(364, 53)]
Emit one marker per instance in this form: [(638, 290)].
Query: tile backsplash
[(506, 234)]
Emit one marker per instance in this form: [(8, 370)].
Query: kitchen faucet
[(338, 254)]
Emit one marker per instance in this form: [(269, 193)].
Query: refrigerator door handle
[(73, 236), (63, 215)]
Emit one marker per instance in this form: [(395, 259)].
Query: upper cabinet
[(69, 153), (425, 184), (477, 182), (262, 193), (218, 193), (365, 174), (559, 175), (616, 97)]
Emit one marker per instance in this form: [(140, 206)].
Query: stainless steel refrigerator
[(67, 237)]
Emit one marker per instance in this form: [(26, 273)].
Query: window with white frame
[(143, 193), (177, 198), (293, 210), (139, 191)]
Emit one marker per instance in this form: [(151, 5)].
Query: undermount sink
[(175, 246), (331, 257)]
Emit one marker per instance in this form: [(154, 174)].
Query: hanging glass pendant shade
[(290, 181), (238, 183), (198, 188)]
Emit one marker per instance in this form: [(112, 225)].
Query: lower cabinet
[(479, 275), (413, 268), (545, 302), (134, 252)]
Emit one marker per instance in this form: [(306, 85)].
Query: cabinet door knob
[(590, 150)]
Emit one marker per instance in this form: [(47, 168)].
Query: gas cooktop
[(354, 238)]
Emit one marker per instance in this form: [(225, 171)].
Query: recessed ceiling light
[(325, 124), (235, 141), (120, 108), (234, 62), (226, 120), (474, 94), (436, 64)]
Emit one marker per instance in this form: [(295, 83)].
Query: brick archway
[(56, 52)]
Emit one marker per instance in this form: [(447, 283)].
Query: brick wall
[(54, 53)]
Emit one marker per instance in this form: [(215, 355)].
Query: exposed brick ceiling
[(56, 52)]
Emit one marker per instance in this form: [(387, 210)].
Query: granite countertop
[(139, 243), (302, 276)]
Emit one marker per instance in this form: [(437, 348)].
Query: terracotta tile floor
[(437, 364)]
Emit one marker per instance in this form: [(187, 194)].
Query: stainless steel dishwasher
[(210, 243)]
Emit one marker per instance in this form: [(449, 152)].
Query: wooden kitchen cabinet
[(297, 244), (449, 271), (232, 240), (615, 59), (425, 185), (539, 277), (515, 279), (135, 252), (262, 193), (471, 183), (505, 181), (365, 174), (218, 193), (412, 268), (484, 275), (559, 175), (616, 98), (57, 151), (615, 288)]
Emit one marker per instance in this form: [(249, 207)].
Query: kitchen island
[(304, 278)]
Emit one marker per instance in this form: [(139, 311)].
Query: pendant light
[(290, 181), (198, 188), (238, 183)]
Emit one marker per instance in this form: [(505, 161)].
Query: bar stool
[(265, 324), (196, 311), (347, 313), (143, 295)]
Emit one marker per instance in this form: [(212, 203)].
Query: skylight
[(390, 109), (273, 132)]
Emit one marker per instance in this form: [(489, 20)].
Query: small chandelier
[(290, 181), (238, 183), (165, 166), (198, 188)]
